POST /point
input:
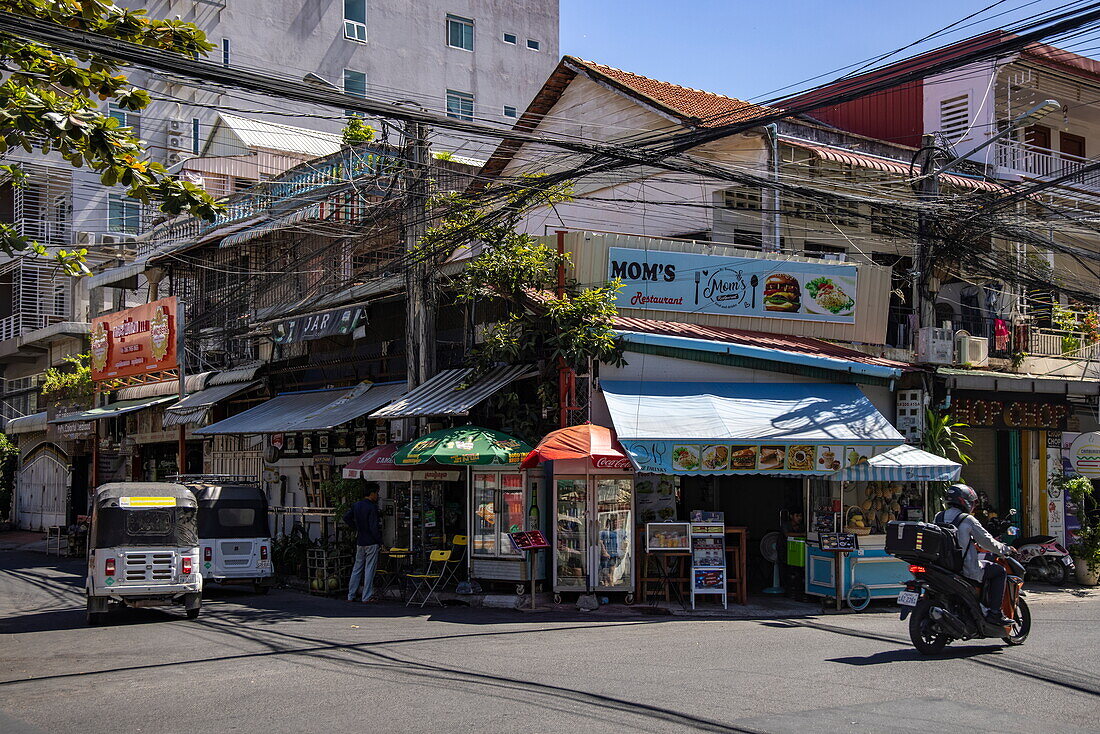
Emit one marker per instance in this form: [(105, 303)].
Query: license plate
[(1067, 560), (909, 598), (264, 565)]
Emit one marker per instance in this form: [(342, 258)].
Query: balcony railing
[(45, 232), (1031, 160), (20, 323), (1058, 343)]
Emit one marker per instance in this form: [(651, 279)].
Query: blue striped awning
[(902, 464)]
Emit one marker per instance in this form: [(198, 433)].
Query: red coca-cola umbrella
[(596, 443)]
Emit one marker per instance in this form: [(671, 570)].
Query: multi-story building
[(470, 59)]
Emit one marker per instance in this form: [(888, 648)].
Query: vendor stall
[(593, 509), (860, 500), (500, 499)]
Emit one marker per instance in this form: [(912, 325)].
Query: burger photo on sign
[(782, 293)]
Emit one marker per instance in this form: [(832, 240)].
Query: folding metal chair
[(393, 573), (430, 582), (459, 544)]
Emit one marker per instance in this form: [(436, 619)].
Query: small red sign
[(529, 540)]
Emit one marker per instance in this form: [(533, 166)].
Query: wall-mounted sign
[(734, 286), (673, 457), (341, 322), (1010, 413), (138, 341), (1084, 455)]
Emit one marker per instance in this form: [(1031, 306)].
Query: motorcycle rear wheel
[(1022, 628), (924, 639)]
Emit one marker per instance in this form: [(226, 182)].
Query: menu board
[(529, 540), (708, 560), (674, 458)]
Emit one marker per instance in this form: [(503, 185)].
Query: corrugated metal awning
[(244, 373), (114, 409), (444, 394), (193, 383), (887, 165), (317, 410), (26, 424), (194, 408), (313, 211)]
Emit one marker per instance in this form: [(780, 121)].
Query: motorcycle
[(1044, 558), (943, 606)]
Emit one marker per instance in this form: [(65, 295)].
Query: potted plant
[(1086, 544)]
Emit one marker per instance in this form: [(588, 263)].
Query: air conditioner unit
[(176, 126), (971, 350), (85, 238), (175, 157), (175, 142), (109, 239), (935, 346)]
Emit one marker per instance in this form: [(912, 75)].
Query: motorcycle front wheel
[(927, 641), (1022, 627)]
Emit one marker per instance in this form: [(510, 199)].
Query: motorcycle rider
[(961, 499)]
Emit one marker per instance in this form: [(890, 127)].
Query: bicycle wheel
[(859, 596)]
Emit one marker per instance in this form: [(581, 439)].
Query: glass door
[(484, 540), (512, 513), (614, 533), (571, 533)]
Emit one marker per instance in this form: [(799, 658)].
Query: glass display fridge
[(593, 534), (503, 502)]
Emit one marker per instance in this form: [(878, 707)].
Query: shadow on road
[(911, 655)]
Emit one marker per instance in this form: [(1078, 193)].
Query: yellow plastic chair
[(426, 585), (459, 546)]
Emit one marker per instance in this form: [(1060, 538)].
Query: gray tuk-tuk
[(143, 548)]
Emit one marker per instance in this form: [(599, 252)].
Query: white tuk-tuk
[(143, 548), (234, 535)]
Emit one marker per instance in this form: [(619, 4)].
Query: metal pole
[(419, 329), (929, 189), (181, 358), (565, 375), (772, 238)]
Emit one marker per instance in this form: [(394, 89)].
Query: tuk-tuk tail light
[(185, 565), (263, 552), (109, 567), (207, 554)]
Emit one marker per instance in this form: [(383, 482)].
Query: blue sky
[(751, 49)]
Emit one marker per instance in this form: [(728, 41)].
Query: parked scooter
[(1044, 558)]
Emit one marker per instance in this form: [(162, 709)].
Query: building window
[(460, 32), (195, 135), (125, 118), (355, 20), (510, 111), (123, 214), (955, 117), (533, 44), (511, 38), (825, 252), (355, 83), (460, 105), (225, 51)]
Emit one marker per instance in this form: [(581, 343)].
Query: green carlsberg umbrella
[(461, 446)]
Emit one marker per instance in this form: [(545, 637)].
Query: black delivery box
[(923, 543)]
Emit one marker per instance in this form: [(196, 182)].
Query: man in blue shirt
[(364, 517)]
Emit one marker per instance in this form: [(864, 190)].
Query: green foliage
[(444, 155), (51, 102), (357, 131), (340, 494), (288, 552), (9, 461), (1086, 545), (72, 382), (943, 436)]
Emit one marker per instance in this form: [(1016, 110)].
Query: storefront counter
[(882, 574)]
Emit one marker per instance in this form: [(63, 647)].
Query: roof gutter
[(763, 353)]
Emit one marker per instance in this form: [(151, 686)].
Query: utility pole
[(419, 303), (928, 190)]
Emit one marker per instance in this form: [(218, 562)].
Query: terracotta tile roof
[(781, 342), (703, 109)]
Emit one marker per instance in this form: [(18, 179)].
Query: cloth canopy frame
[(376, 464), (587, 441), (902, 464)]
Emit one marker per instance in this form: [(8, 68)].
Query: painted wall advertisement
[(1055, 509), (136, 341), (734, 286), (1080, 456)]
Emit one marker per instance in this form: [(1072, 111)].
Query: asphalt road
[(288, 662)]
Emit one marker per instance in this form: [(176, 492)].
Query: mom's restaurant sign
[(138, 341)]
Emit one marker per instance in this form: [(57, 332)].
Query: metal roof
[(275, 136), (194, 408), (193, 383), (243, 373), (444, 394), (26, 424), (313, 211), (308, 411), (114, 409)]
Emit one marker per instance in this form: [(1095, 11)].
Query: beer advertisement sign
[(137, 341)]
